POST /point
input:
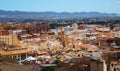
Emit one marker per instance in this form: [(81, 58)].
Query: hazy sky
[(107, 6)]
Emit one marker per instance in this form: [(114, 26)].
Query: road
[(14, 67)]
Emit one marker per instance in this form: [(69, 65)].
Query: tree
[(117, 41)]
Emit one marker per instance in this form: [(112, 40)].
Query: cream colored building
[(9, 39)]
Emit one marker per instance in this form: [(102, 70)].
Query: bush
[(51, 68)]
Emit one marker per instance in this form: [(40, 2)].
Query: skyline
[(107, 6)]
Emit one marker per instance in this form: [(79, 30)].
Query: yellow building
[(1, 28), (9, 39)]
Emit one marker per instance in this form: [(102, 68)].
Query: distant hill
[(51, 15)]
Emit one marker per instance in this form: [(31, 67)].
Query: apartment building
[(8, 37)]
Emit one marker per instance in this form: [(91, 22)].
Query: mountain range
[(52, 15)]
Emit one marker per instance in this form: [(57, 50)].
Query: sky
[(104, 6)]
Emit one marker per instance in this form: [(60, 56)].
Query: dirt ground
[(14, 67)]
